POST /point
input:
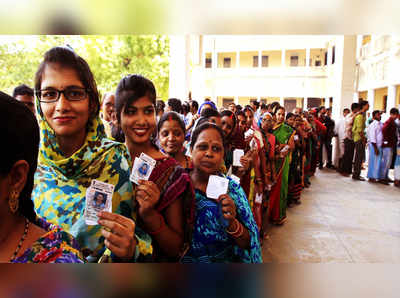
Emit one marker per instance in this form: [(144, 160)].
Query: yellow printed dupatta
[(61, 183)]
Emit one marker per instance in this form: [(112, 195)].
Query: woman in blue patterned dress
[(224, 229)]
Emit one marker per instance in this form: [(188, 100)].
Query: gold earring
[(13, 201)]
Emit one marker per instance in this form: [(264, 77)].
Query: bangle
[(162, 227), (237, 229)]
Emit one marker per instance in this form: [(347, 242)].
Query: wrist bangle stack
[(238, 231), (161, 228)]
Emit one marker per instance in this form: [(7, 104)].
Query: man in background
[(24, 94), (389, 132), (108, 112), (359, 140)]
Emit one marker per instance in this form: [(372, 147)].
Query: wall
[(317, 54), (246, 59), (221, 57), (379, 100), (274, 58), (301, 53), (363, 95)]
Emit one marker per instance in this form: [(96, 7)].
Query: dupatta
[(61, 183)]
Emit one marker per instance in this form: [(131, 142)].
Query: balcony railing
[(289, 71)]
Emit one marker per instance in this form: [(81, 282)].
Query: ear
[(18, 175)]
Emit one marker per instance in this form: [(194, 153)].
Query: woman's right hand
[(245, 163), (119, 235)]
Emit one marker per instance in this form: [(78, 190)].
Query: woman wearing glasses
[(73, 152)]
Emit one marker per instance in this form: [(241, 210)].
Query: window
[(227, 101), (326, 58), (264, 61), (227, 62), (294, 60), (208, 62), (318, 63), (255, 61), (333, 55)]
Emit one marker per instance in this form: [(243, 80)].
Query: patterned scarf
[(61, 183)]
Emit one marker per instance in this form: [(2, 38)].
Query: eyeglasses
[(53, 95)]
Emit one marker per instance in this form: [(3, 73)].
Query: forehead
[(227, 118), (55, 75), (25, 98), (210, 135), (141, 102), (109, 98), (171, 124)]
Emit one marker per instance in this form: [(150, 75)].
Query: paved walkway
[(341, 221)]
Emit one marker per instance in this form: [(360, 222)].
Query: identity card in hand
[(235, 178), (98, 198), (249, 133), (142, 168), (237, 154), (216, 186), (258, 198)]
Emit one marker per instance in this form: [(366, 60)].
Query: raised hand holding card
[(237, 154), (142, 168), (98, 198), (216, 186)]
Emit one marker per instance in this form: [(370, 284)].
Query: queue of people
[(156, 168)]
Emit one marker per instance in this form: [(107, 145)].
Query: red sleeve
[(320, 127)]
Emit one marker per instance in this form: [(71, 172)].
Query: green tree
[(110, 57)]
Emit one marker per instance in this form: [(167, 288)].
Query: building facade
[(378, 71), (297, 71)]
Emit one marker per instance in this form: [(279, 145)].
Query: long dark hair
[(131, 88), (231, 115), (21, 131), (67, 58)]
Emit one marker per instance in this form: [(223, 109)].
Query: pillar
[(282, 101), (371, 99), (259, 58), (326, 103), (391, 98), (237, 59), (283, 58), (305, 103), (329, 62), (307, 57), (236, 100)]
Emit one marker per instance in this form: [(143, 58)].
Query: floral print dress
[(56, 246)]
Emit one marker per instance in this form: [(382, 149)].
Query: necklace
[(21, 241)]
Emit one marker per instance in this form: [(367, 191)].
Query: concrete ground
[(340, 220)]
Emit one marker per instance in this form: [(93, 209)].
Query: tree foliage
[(110, 57)]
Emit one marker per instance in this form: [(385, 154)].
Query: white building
[(378, 71), (301, 70)]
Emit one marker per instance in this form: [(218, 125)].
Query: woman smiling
[(165, 201), (74, 151)]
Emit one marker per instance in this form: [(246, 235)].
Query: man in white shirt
[(340, 135), (375, 138)]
